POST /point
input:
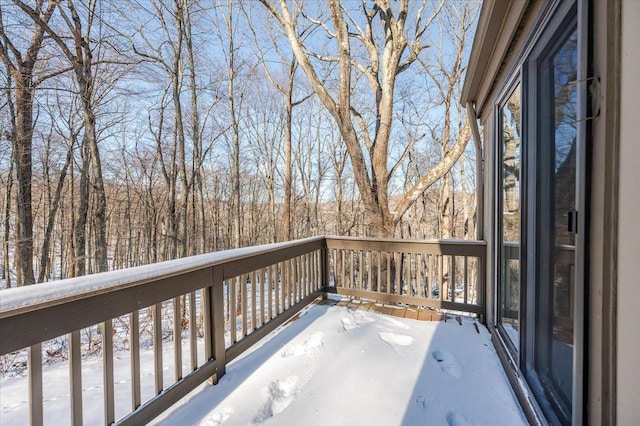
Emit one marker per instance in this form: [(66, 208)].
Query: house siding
[(628, 359)]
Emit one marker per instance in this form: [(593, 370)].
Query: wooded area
[(137, 131)]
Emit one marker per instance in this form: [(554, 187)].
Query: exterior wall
[(613, 340), (598, 220), (628, 351)]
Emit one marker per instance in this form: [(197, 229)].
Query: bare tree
[(21, 67), (381, 32)]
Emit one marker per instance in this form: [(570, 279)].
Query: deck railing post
[(324, 267), (481, 298)]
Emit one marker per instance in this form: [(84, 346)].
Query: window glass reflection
[(510, 194)]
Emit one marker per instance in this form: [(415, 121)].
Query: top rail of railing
[(44, 311), (28, 298)]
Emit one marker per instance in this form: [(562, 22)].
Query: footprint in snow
[(312, 345), (447, 362), (396, 339), (348, 324), (217, 418), (356, 320), (280, 394), (396, 323), (456, 419)]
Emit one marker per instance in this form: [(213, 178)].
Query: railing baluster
[(300, 277), (263, 275), (295, 280), (309, 273), (297, 272), (245, 303), (277, 284), (134, 354), (370, 270), (293, 273), (319, 267), (323, 267), (440, 272), (270, 296), (193, 331), (284, 278), (351, 272), (430, 283), (75, 377), (232, 308), (409, 259), (465, 278), (388, 259), (316, 270), (419, 285), (452, 278), (360, 285), (313, 271), (342, 271), (291, 294), (157, 347), (34, 368), (208, 327), (379, 272), (301, 284), (177, 339), (254, 305), (107, 372), (398, 271)]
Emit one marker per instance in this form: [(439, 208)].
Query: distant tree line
[(136, 131)]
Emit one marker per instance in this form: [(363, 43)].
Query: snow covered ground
[(331, 366), (336, 366)]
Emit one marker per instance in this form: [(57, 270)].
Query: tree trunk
[(53, 211)]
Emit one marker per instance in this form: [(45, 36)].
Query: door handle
[(572, 221)]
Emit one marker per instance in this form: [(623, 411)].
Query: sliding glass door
[(540, 187), (556, 221)]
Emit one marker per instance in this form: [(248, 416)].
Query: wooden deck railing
[(442, 274), (214, 307)]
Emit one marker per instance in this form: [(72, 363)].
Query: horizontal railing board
[(441, 247), (48, 322), (238, 267), (34, 297), (409, 300)]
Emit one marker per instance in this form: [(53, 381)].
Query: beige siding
[(599, 222), (629, 237)]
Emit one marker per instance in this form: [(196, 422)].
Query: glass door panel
[(510, 115), (556, 221)]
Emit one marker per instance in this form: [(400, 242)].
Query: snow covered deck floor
[(336, 365)]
